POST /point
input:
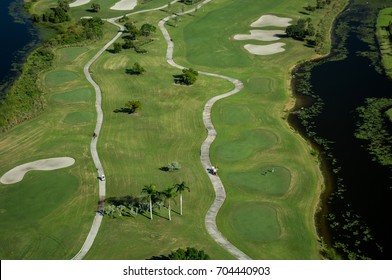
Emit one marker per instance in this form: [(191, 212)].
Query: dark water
[(343, 86), (18, 37)]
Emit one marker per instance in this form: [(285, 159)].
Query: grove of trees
[(151, 200)]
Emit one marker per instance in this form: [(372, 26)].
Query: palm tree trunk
[(169, 212), (150, 209), (181, 203)]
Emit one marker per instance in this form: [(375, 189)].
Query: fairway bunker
[(269, 20), (265, 49), (16, 174), (124, 5), (79, 3), (265, 35), (261, 35)]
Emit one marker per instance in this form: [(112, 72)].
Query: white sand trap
[(261, 35), (124, 5), (78, 3), (266, 49), (16, 174), (268, 20)]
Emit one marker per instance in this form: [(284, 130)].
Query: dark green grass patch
[(37, 195), (234, 114), (60, 77), (79, 117), (254, 222), (260, 85), (245, 146), (77, 95), (67, 55), (272, 180)]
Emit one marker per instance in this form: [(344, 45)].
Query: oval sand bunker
[(16, 174)]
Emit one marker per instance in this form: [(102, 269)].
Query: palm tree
[(169, 194), (150, 192), (179, 189)]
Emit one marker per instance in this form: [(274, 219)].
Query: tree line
[(152, 200)]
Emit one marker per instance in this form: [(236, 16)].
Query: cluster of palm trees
[(157, 198), (152, 198)]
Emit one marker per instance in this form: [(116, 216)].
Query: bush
[(173, 166)]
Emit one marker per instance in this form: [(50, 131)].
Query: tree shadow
[(178, 78), (304, 13), (159, 258), (123, 110), (164, 168), (132, 72)]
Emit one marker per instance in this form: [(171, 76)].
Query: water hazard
[(343, 86), (17, 36)]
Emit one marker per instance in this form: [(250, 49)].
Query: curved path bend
[(93, 145), (220, 193), (210, 219)]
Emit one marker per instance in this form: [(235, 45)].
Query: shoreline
[(326, 184), (19, 14)]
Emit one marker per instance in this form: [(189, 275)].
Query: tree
[(150, 193), (95, 7), (188, 254), (147, 29), (173, 166), (137, 69), (117, 47), (132, 106), (133, 31), (189, 76), (169, 195), (179, 189), (63, 5), (299, 31)]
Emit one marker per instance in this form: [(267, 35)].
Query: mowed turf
[(49, 214), (205, 42), (277, 223)]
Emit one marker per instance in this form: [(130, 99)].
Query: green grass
[(60, 77), (249, 143), (67, 55), (49, 214), (79, 118), (271, 222), (384, 18), (77, 95), (254, 222), (270, 180), (389, 114)]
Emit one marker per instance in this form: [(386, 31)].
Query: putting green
[(234, 114), (272, 180), (79, 117), (260, 85), (244, 147), (77, 95), (255, 222), (60, 77), (69, 54)]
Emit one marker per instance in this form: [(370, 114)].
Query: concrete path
[(93, 146), (220, 194), (210, 220), (93, 149)]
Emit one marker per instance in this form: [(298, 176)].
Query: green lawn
[(384, 18), (268, 216)]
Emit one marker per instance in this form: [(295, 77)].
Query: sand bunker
[(16, 174), (266, 49), (124, 5), (261, 35), (78, 3), (268, 20)]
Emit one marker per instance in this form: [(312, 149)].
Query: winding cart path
[(210, 219)]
